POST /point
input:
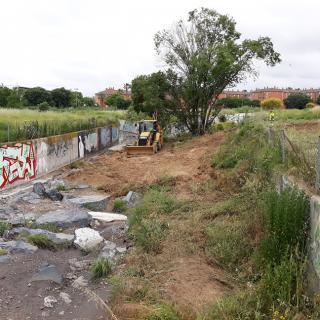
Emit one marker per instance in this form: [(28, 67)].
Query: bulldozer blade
[(136, 150)]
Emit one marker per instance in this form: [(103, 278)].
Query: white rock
[(87, 238), (49, 301), (107, 217), (65, 297), (80, 282)]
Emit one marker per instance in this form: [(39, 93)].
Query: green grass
[(148, 224), (23, 122), (42, 241), (3, 227), (227, 243), (3, 252), (163, 312), (101, 268), (119, 205)]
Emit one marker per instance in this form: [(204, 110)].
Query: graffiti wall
[(17, 163), (26, 161)]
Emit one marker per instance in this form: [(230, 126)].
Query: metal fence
[(27, 130), (299, 154)]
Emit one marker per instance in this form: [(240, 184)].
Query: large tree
[(204, 55), (4, 95), (61, 97), (37, 95), (296, 100), (150, 95)]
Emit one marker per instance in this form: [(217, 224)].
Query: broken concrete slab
[(18, 246), (95, 202), (4, 259), (31, 197), (116, 231), (48, 272), (65, 218), (111, 252), (117, 148), (57, 238), (87, 239), (39, 189), (108, 251), (107, 217), (54, 195), (131, 198)]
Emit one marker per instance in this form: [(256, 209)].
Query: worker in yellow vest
[(271, 115)]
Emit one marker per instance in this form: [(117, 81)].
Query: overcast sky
[(94, 44)]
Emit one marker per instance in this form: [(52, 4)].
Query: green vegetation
[(266, 230), (21, 124), (119, 205), (3, 227), (296, 101), (3, 252), (271, 103), (42, 241), (238, 103), (286, 223), (148, 227), (41, 98), (163, 312), (101, 268), (118, 101)]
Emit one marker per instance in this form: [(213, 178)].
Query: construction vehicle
[(150, 138)]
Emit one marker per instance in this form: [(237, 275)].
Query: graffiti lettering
[(17, 163)]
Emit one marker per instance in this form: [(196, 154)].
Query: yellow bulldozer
[(150, 138)]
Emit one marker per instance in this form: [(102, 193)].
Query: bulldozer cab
[(150, 138), (148, 126)]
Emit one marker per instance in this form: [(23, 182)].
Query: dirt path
[(187, 280), (116, 173)]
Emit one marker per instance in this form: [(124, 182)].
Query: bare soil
[(185, 278)]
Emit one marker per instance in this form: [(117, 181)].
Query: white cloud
[(91, 44)]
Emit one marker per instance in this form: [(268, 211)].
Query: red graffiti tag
[(17, 163)]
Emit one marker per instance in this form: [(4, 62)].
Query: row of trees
[(203, 56), (60, 98)]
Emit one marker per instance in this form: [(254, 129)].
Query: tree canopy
[(37, 95), (118, 101), (296, 100), (150, 94), (61, 97), (204, 55)]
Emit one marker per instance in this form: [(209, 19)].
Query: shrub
[(43, 106), (101, 268), (283, 284), (148, 235), (163, 312), (286, 224), (119, 205), (271, 103), (3, 252), (3, 227), (227, 243), (42, 241), (296, 101), (310, 105), (222, 118)]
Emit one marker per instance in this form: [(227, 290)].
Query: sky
[(89, 45)]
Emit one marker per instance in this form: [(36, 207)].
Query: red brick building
[(99, 97), (265, 93)]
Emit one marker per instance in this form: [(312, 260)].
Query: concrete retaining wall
[(32, 159)]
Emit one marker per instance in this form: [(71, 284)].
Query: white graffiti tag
[(17, 163)]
